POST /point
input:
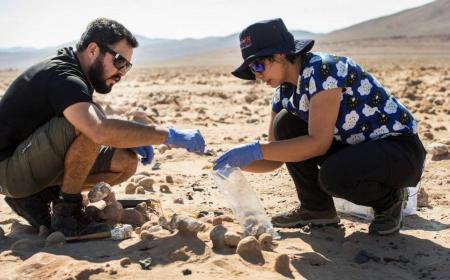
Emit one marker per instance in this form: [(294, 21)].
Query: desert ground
[(228, 112)]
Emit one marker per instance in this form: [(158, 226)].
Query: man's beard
[(95, 76)]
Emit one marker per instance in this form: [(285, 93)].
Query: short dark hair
[(104, 31)]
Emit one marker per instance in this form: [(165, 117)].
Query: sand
[(228, 112)]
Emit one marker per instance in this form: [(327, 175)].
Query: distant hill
[(432, 19)]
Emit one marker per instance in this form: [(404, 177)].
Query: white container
[(242, 200), (364, 212)]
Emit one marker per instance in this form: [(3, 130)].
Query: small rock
[(162, 148), (265, 240), (140, 190), (178, 255), (226, 218), (169, 179), (217, 236), (142, 208), (187, 271), (423, 198), (124, 262), (437, 149), (43, 232), (146, 263), (164, 189), (232, 239), (23, 245), (363, 257), (282, 264), (2, 232), (111, 212), (217, 221), (147, 183), (132, 217), (188, 225), (250, 250), (99, 192), (131, 188), (145, 234), (55, 239), (179, 201)]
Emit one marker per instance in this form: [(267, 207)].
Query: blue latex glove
[(146, 153), (190, 139), (239, 156)]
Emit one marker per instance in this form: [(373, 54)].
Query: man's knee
[(287, 126), (124, 161)]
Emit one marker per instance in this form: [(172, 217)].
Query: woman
[(337, 129)]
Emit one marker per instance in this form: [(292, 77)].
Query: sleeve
[(281, 97), (329, 72), (66, 91)]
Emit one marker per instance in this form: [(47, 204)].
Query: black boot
[(69, 218), (35, 208)]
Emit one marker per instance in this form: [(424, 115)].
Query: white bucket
[(364, 212)]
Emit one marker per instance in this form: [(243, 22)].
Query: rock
[(92, 212), (169, 179), (217, 236), (43, 232), (226, 218), (2, 233), (111, 212), (216, 221), (265, 240), (232, 239), (111, 199), (162, 148), (23, 245), (179, 201), (138, 230), (282, 264), (178, 255), (145, 234), (124, 262), (147, 183), (188, 225), (140, 190), (164, 189), (55, 239), (423, 198), (147, 225), (132, 217), (250, 250), (437, 149), (143, 209), (187, 271), (137, 178), (130, 188), (100, 191), (364, 256)]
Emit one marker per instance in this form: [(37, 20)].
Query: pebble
[(147, 183), (232, 239), (2, 232), (217, 221), (55, 239), (249, 249), (164, 189), (23, 245), (132, 217), (282, 264), (130, 188), (265, 240), (187, 271), (169, 179), (140, 190), (124, 262), (437, 149), (217, 236), (179, 201)]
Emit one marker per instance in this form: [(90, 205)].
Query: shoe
[(70, 219), (389, 221), (299, 217), (35, 209)]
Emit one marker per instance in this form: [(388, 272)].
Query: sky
[(43, 23)]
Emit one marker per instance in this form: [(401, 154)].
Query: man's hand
[(146, 153), (239, 156), (190, 139)]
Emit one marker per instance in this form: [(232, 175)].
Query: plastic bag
[(243, 201), (365, 212)]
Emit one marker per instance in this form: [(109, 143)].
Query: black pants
[(368, 173)]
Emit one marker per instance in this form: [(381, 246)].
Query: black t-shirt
[(42, 92)]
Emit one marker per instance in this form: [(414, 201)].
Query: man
[(55, 141)]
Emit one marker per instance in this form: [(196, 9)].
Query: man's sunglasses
[(257, 66), (120, 62)]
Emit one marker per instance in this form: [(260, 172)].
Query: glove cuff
[(257, 153)]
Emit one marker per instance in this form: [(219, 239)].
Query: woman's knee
[(332, 179), (287, 125)]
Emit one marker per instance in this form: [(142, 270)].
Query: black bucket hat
[(265, 38)]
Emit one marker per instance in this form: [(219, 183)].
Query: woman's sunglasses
[(120, 62), (257, 66)]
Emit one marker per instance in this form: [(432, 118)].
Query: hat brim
[(244, 72)]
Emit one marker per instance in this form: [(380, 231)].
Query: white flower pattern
[(365, 87), (330, 83)]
